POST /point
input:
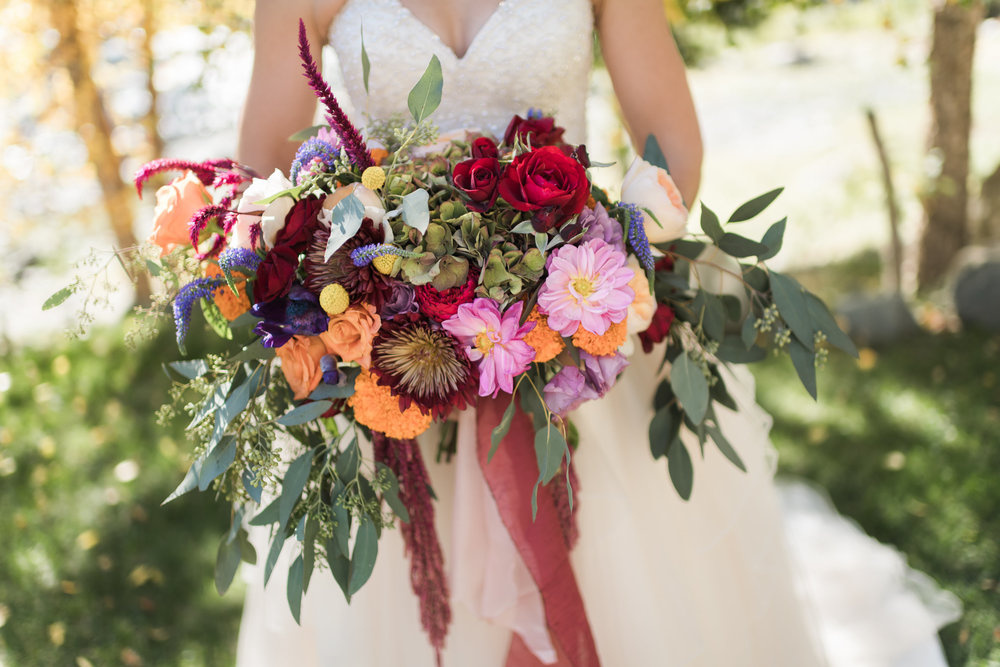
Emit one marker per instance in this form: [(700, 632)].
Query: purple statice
[(597, 224), (363, 255), (350, 137), (602, 372), (314, 156), (328, 366), (299, 313), (200, 288), (402, 300), (567, 390), (637, 235)]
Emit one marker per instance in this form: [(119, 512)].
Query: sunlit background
[(905, 440)]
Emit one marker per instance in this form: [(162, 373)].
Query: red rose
[(484, 147), (478, 179), (533, 131), (277, 271), (658, 329), (548, 183)]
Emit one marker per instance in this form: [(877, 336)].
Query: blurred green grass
[(93, 571)]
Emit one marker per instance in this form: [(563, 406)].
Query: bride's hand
[(651, 85)]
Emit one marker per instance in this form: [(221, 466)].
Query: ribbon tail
[(511, 476)]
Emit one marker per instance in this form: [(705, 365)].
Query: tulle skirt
[(714, 581)]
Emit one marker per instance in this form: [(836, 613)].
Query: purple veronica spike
[(637, 236), (238, 258), (313, 149), (201, 288), (363, 255), (353, 142)]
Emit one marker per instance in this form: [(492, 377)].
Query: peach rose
[(640, 311), (350, 334), (176, 204), (300, 363), (651, 188)]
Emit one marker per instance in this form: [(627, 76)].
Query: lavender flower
[(299, 313), (313, 156), (400, 302), (599, 225), (201, 288), (637, 236)]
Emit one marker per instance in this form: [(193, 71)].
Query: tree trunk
[(151, 121), (989, 209), (94, 127), (946, 228)]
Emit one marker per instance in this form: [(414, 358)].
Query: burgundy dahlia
[(422, 364), (363, 283), (441, 304)]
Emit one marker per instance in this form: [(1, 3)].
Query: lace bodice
[(529, 54)]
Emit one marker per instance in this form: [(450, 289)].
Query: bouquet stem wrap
[(540, 543)]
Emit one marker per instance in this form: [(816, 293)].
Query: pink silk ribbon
[(510, 476)]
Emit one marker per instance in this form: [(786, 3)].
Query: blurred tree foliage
[(68, 69)]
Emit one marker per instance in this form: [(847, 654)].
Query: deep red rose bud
[(484, 147), (440, 305), (277, 270), (478, 179), (547, 183), (665, 263), (658, 329), (536, 132)]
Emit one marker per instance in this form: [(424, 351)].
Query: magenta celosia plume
[(206, 171), (493, 340), (587, 286)]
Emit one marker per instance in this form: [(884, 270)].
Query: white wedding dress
[(710, 582)]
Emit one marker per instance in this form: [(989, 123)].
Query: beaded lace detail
[(529, 54)]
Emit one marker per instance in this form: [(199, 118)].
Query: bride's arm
[(651, 85), (279, 103)]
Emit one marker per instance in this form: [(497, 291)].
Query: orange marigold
[(601, 346), (546, 343), (378, 155), (376, 407), (230, 305)]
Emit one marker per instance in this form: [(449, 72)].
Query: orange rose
[(350, 334), (300, 363), (176, 204)]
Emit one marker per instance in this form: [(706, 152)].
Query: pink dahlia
[(587, 285), (493, 340)]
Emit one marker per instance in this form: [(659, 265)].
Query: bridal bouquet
[(394, 277)]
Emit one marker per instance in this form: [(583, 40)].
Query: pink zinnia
[(493, 340), (587, 285)]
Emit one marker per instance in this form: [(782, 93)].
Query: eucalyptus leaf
[(309, 551), (710, 223), (227, 561), (254, 351), (216, 320), (748, 332), (664, 395), (267, 515), (391, 494), (663, 429), (755, 206), (340, 567), (272, 555), (653, 154), (733, 350), (153, 268), (740, 246), (804, 361), (332, 391), (415, 209), (292, 485), (681, 469), (190, 369), (59, 297), (342, 520), (425, 96), (349, 462), (691, 387), (725, 447), (307, 133), (550, 447), (523, 227), (363, 556), (304, 413), (366, 65), (501, 429), (345, 221), (293, 590), (823, 320), (255, 491), (791, 302), (217, 462), (773, 238), (719, 393)]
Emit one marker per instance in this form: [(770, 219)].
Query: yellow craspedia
[(373, 178), (384, 263), (334, 299)]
